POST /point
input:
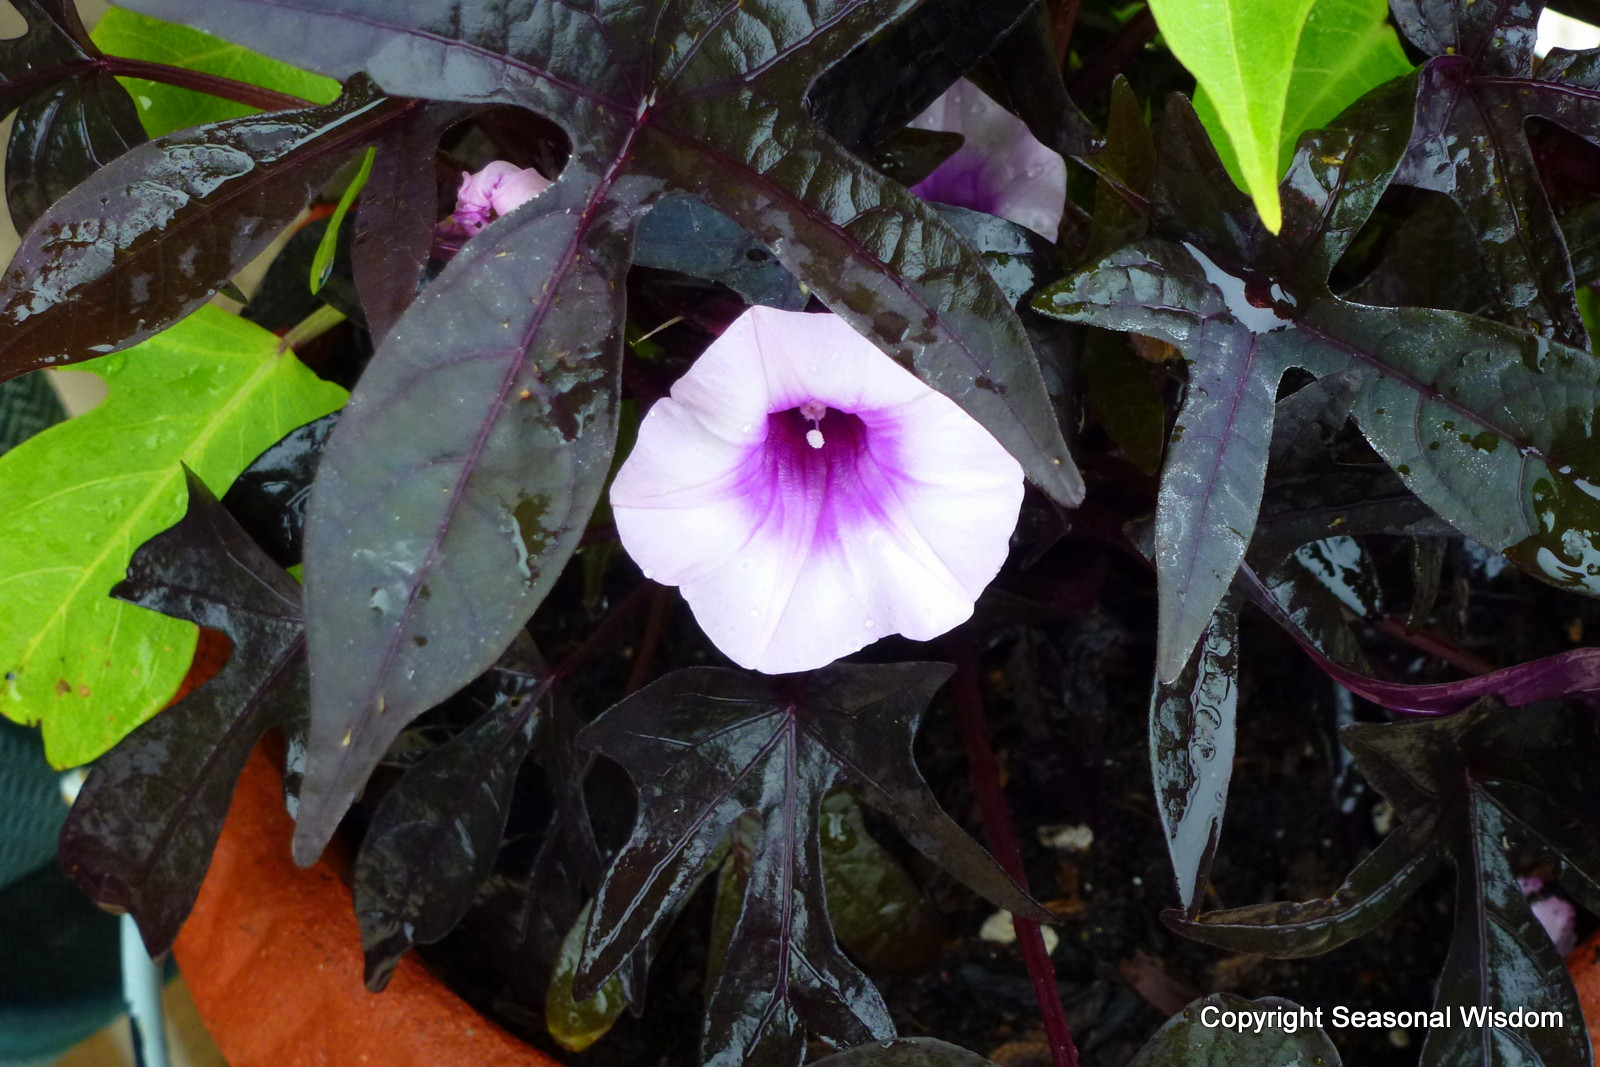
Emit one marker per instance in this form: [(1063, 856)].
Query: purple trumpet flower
[(1000, 168), (809, 496)]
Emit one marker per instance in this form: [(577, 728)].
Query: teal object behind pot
[(61, 977)]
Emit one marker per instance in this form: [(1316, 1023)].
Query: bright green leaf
[(1242, 54), (1347, 48), (577, 1024), (212, 392), (328, 247), (165, 108)]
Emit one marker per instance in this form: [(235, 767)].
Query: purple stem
[(607, 627), (1097, 72), (212, 84), (1002, 834)]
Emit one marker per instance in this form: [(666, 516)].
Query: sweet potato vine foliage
[(1333, 306)]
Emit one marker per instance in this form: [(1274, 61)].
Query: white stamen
[(814, 410), (814, 437)]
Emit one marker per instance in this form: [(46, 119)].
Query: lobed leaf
[(1474, 99), (208, 394), (1346, 48), (140, 835), (1486, 424), (703, 747)]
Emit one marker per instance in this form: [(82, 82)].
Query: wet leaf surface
[(1192, 728), (1187, 1041), (703, 746), (1474, 99), (454, 489), (1463, 417), (680, 233), (132, 250), (140, 835), (434, 838), (1473, 786), (62, 135), (269, 496), (709, 102)]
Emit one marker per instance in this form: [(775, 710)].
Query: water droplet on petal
[(648, 573), (867, 623)]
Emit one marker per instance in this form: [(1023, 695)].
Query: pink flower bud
[(496, 190)]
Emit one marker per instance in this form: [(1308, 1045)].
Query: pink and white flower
[(809, 496), (496, 190), (1000, 168)]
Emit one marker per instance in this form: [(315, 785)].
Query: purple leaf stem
[(1002, 834), (1566, 674), (211, 84)]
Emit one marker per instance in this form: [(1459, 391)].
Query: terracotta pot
[(1584, 963), (272, 956)]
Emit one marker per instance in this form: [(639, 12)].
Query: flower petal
[(1000, 168), (792, 553)]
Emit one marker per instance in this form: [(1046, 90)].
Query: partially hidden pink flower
[(809, 496), (1000, 168), (1558, 917), (496, 190)]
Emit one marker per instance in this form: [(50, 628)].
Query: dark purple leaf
[(1316, 612), (54, 46), (1474, 100), (63, 134), (1129, 160), (434, 838), (1192, 730), (714, 99), (141, 832), (1563, 674), (1372, 893), (459, 483), (1500, 954), (1190, 1039), (269, 497), (1486, 424), (136, 247), (704, 746), (893, 78), (682, 234), (460, 476), (912, 154), (1471, 786), (394, 224), (905, 1052)]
